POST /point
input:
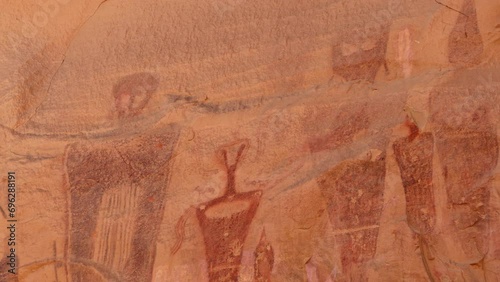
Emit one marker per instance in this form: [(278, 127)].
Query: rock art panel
[(264, 260), (467, 145), (467, 186), (359, 56), (414, 156), (354, 190), (225, 221), (116, 198), (463, 143), (89, 99), (133, 92), (465, 43)]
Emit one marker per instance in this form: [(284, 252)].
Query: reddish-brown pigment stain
[(133, 92), (354, 190), (225, 222), (468, 162), (465, 44), (467, 146), (464, 110), (364, 62), (341, 134), (414, 157), (357, 248), (414, 130), (120, 172), (264, 260)]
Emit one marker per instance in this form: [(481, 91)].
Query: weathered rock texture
[(263, 140)]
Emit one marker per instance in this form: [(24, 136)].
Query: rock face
[(355, 196), (236, 140)]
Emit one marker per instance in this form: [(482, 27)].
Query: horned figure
[(225, 222)]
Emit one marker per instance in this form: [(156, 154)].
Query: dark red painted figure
[(225, 222)]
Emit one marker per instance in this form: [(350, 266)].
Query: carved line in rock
[(117, 193)]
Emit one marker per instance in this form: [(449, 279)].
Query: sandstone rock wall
[(238, 140)]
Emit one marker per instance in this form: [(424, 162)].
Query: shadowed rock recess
[(250, 140)]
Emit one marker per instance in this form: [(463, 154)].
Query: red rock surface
[(238, 140)]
